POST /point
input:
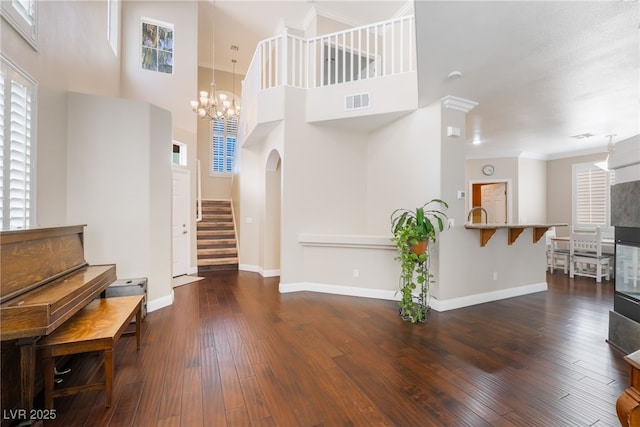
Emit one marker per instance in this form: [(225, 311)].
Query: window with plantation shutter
[(16, 161), (223, 145), (591, 192)]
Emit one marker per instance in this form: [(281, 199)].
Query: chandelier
[(216, 106)]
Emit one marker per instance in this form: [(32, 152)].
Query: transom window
[(22, 15), (223, 145), (17, 99)]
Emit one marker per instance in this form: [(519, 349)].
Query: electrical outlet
[(495, 275), (451, 223), (356, 272)]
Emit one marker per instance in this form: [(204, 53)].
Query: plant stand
[(415, 276), (420, 314), (412, 233)]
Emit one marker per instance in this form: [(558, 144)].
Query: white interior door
[(494, 200), (181, 222)]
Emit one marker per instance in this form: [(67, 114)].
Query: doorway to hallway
[(495, 197)]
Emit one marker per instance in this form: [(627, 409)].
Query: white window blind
[(223, 145), (591, 192), (16, 166)]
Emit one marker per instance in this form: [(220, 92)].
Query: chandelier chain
[(213, 105)]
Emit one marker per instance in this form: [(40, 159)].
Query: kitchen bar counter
[(514, 230)]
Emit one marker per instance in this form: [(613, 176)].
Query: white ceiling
[(541, 71), (244, 23)]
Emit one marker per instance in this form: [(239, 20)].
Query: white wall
[(324, 191), (214, 187), (468, 273), (252, 199), (325, 194), (391, 94), (119, 184), (73, 54), (403, 166), (528, 179), (559, 192), (505, 169), (626, 160), (323, 187), (340, 186), (467, 270), (270, 220), (172, 92), (532, 191)]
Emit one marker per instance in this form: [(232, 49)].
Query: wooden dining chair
[(557, 257), (586, 257)]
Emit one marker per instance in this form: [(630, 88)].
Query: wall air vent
[(357, 101)]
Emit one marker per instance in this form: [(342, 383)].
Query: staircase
[(217, 249)]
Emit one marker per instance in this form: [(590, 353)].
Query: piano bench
[(97, 327)]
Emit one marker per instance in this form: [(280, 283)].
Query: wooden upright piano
[(44, 281)]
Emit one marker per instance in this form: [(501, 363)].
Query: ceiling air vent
[(582, 135), (357, 101)]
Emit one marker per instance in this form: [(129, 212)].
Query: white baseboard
[(270, 273), (338, 290), (248, 267), (161, 302), (436, 304), (469, 300), (259, 270)]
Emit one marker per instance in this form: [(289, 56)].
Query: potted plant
[(412, 232)]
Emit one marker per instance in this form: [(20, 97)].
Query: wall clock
[(488, 170)]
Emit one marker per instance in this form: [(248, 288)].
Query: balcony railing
[(367, 52), (370, 52)]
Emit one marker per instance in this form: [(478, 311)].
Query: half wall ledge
[(514, 231), (346, 241)]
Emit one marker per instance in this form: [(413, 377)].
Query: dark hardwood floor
[(232, 351)]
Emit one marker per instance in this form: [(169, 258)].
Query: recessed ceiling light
[(582, 135), (454, 75)]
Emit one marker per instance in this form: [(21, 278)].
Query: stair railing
[(199, 193)]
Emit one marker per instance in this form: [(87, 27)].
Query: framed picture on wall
[(156, 46)]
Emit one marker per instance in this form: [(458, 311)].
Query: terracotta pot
[(420, 247)]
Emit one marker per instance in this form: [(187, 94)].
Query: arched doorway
[(273, 189)]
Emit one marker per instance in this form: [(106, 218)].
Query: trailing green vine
[(409, 228)]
